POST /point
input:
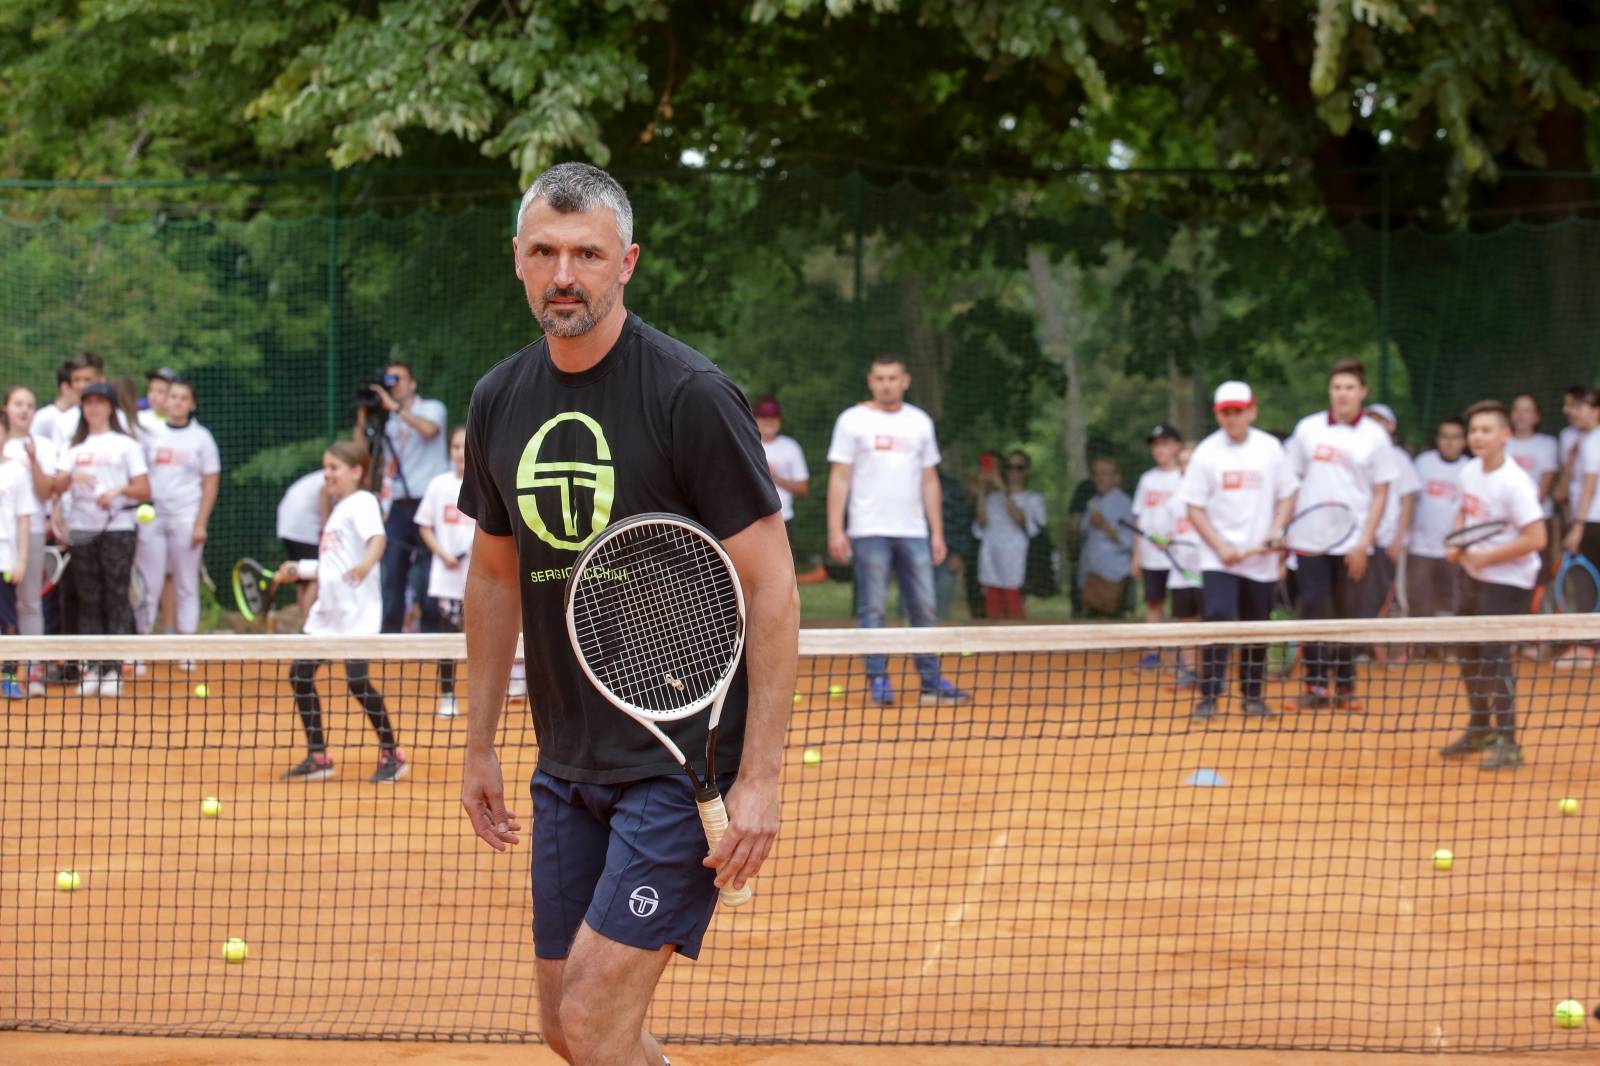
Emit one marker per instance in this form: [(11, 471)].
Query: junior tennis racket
[(1467, 536), (1317, 530), (252, 589), (1184, 555), (57, 556), (656, 617), (1577, 585)]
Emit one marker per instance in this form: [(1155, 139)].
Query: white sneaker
[(517, 690), (447, 707), (140, 668), (186, 665), (110, 686), (36, 688), (89, 683)]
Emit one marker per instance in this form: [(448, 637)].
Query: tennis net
[(1068, 857)]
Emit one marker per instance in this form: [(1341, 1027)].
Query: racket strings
[(1320, 528), (1579, 593), (656, 616)]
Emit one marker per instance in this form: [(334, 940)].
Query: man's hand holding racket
[(753, 817)]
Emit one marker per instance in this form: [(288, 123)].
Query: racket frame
[(708, 799), (234, 580), (1282, 541), (1570, 561), (1467, 536), (1165, 544)]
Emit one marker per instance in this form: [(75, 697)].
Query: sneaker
[(1576, 659), (1346, 700), (90, 685), (140, 668), (1506, 755), (62, 674), (944, 692), (517, 689), (1314, 696), (186, 665), (1470, 742), (1186, 678), (882, 691), (317, 766), (1150, 661), (110, 686), (392, 766), (447, 707), (1258, 708), (1204, 711), (36, 688), (9, 689)]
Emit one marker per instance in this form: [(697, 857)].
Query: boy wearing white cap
[(1239, 490), (1340, 456)]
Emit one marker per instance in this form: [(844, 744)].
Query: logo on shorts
[(643, 901), (547, 484)]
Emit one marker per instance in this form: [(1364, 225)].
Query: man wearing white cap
[(1340, 456), (1394, 528), (1239, 490)]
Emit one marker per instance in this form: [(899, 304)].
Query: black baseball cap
[(100, 389), (164, 373), (1162, 431)]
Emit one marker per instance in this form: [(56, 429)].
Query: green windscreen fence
[(1047, 316)]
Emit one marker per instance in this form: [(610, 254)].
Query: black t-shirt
[(552, 459)]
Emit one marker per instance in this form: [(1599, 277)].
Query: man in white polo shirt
[(1239, 491), (1340, 456), (885, 467)]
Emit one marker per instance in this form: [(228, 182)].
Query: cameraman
[(415, 450)]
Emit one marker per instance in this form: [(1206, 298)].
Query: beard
[(577, 321)]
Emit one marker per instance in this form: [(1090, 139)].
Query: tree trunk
[(1054, 305), (927, 351)]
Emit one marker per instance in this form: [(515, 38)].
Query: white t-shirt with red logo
[(180, 459), (1405, 483), (17, 451), (16, 501), (1239, 485), (343, 609), (1438, 503), (1589, 463), (1538, 454), (887, 452), (454, 532), (1152, 514), (1506, 495), (102, 463), (1340, 462)]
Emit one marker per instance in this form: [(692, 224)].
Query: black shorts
[(298, 550), (1187, 603), (1155, 586)]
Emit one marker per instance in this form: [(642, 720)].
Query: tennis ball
[(68, 881), (1443, 859), (145, 513), (836, 690), (811, 757), (202, 690), (1569, 1014), (798, 697), (235, 950), (210, 807), (1567, 805)]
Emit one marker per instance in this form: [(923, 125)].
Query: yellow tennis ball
[(202, 690), (1569, 1014), (1567, 805), (68, 881), (798, 697), (836, 690), (235, 950), (1443, 859), (210, 807), (145, 513), (811, 757)]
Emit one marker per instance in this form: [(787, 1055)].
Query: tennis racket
[(252, 589), (656, 617), (1577, 585), (57, 556), (1184, 555), (1470, 535), (1316, 530)]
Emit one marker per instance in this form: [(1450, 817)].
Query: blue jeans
[(912, 562), (405, 562)]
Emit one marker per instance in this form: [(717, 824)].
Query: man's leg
[(597, 998), (872, 557), (1316, 580), (1220, 604), (913, 565), (400, 533)]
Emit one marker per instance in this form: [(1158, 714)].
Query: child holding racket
[(1239, 491), (104, 476), (1340, 457), (349, 603), (448, 534), (1152, 569), (1499, 533)]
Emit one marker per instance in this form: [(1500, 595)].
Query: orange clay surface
[(1028, 868)]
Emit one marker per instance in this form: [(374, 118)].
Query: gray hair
[(570, 187)]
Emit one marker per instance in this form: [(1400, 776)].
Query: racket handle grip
[(714, 819)]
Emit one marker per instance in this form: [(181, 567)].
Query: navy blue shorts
[(625, 859)]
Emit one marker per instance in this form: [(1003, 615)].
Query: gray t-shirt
[(415, 460)]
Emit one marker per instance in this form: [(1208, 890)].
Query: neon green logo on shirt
[(566, 477)]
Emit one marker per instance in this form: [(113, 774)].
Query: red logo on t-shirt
[(1443, 489), (883, 442), (87, 459), (330, 541), (1327, 453), (163, 456), (1525, 461), (452, 514), (1235, 480), (1154, 498), (1474, 507)]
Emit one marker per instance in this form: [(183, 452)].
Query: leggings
[(1489, 669), (99, 575), (1328, 591), (165, 549), (303, 682)]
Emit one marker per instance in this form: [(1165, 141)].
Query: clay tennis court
[(1029, 868)]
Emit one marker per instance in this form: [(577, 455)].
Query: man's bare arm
[(760, 554), (493, 613)]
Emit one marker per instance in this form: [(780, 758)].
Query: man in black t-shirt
[(604, 418)]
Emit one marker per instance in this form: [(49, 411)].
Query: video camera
[(366, 398)]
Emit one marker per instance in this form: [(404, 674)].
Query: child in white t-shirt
[(448, 534), (349, 603), (1500, 575)]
